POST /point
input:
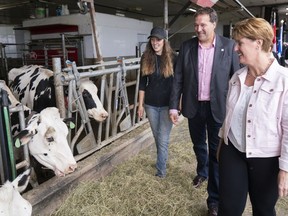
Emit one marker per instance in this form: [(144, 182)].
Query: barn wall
[(7, 35), (118, 36)]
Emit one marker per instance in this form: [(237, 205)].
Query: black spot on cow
[(44, 95), (88, 100)]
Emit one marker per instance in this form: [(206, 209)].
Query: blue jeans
[(207, 165), (161, 126)]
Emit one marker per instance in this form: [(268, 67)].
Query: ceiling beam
[(179, 13)]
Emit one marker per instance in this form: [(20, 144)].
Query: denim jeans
[(161, 126), (207, 165)]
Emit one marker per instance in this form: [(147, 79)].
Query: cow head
[(11, 202), (93, 104), (46, 135)]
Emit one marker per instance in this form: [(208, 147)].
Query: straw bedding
[(132, 189)]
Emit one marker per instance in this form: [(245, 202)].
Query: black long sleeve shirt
[(157, 88)]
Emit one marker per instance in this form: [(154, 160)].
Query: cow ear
[(23, 137), (50, 132), (22, 180)]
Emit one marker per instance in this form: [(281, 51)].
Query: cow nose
[(104, 115), (71, 168)]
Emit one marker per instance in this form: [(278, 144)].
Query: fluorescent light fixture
[(192, 9), (120, 13)]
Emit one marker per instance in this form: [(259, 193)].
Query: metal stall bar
[(88, 141), (7, 154), (26, 160), (75, 95), (112, 94), (103, 84), (128, 61), (64, 51), (115, 107), (6, 114), (3, 165), (109, 104), (126, 122), (20, 110), (59, 91), (4, 64)]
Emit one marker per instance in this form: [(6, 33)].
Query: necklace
[(265, 70)]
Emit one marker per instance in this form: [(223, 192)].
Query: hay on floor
[(132, 189)]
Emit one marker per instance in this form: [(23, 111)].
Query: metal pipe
[(179, 13), (166, 25), (109, 105), (244, 8), (59, 91), (94, 31), (64, 48)]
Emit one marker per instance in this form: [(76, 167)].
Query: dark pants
[(207, 165), (239, 176)]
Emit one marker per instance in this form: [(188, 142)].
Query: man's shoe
[(160, 176), (213, 211), (198, 180)]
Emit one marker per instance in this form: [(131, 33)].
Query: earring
[(257, 48)]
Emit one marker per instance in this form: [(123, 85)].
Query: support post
[(59, 92)]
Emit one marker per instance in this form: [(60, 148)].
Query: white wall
[(7, 35), (118, 36)]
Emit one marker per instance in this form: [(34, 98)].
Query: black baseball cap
[(158, 32)]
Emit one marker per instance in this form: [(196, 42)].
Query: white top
[(237, 131)]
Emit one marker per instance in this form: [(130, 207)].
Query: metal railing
[(118, 95)]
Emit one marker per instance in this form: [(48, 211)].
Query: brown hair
[(148, 60), (254, 29), (208, 11)]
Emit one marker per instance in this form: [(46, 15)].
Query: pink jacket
[(267, 113)]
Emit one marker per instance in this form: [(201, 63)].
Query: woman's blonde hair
[(148, 60), (255, 29)]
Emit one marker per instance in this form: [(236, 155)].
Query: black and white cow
[(46, 136), (11, 201), (33, 85)]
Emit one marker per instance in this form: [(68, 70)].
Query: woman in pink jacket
[(253, 155)]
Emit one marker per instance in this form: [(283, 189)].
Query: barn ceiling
[(15, 11)]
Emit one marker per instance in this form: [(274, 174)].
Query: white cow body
[(11, 201), (33, 86)]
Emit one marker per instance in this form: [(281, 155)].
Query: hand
[(140, 111), (174, 118), (283, 183)]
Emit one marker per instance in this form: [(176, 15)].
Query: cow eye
[(50, 139)]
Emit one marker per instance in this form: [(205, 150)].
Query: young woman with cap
[(154, 92)]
